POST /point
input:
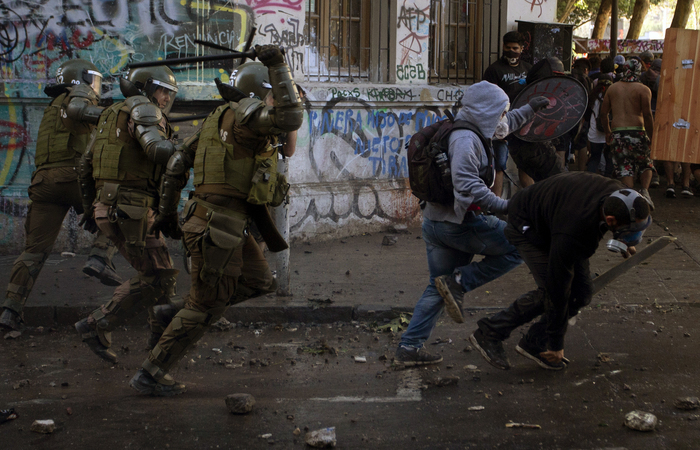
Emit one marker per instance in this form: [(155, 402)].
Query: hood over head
[(483, 105)]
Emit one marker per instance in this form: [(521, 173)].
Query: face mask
[(501, 129), (627, 236), (512, 57)]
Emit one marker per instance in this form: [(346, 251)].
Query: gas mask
[(512, 57), (628, 235), (502, 129)]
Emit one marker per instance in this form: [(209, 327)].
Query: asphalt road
[(624, 358)]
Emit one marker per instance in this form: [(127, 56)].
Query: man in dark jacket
[(556, 226)]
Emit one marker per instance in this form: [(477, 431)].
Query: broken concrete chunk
[(13, 335), (446, 381), (390, 240), (475, 408), (43, 426), (641, 421), (324, 437), (240, 403), (360, 359), (687, 403)]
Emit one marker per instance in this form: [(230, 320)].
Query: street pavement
[(634, 348)]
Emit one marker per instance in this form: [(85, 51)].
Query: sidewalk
[(358, 278)]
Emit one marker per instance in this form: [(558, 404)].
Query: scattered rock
[(390, 240), (475, 408), (13, 335), (687, 403), (223, 325), (20, 384), (296, 432), (446, 381), (265, 436), (360, 359), (470, 367), (641, 421), (43, 426), (67, 255), (240, 403), (324, 437)]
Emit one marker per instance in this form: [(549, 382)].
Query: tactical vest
[(120, 157), (217, 162), (55, 145)]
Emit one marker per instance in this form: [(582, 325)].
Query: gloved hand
[(88, 221), (269, 54), (538, 103), (166, 224)]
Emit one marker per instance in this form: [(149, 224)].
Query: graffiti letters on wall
[(626, 45)]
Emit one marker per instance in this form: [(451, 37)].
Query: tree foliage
[(586, 10)]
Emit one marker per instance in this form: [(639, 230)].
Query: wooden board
[(677, 122)]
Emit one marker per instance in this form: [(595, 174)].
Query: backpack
[(429, 173)]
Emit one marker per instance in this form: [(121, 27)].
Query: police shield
[(568, 100)]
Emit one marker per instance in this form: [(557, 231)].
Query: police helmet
[(253, 79), (158, 84), (80, 71)]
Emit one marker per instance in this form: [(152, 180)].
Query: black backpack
[(429, 173)]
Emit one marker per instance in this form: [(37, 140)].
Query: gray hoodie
[(484, 103)]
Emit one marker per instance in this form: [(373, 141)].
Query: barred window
[(463, 35), (344, 44)]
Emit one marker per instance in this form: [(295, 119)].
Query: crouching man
[(455, 232), (556, 226)]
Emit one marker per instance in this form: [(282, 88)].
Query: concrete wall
[(349, 174)]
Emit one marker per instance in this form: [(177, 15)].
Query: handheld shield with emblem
[(568, 100)]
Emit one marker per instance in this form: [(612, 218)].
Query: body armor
[(116, 154), (56, 146), (243, 165)]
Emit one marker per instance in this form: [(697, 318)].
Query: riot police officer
[(54, 187), (235, 178), (119, 178)]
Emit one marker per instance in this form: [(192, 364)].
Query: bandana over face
[(632, 70)]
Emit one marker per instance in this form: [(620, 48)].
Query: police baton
[(194, 59)]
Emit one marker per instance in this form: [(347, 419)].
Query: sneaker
[(89, 336), (10, 320), (411, 356), (145, 384), (686, 192), (453, 294), (654, 180), (98, 268), (671, 191), (491, 349), (645, 193), (533, 354)]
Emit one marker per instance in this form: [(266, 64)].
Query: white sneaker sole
[(539, 362), (451, 306)]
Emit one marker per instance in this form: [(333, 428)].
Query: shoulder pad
[(146, 114), (83, 91), (130, 102), (245, 108)]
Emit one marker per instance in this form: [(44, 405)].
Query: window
[(343, 44), (463, 33)]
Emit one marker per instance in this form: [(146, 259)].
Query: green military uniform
[(126, 179), (53, 191), (235, 178)]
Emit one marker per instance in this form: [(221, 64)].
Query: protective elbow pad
[(81, 111), (146, 114), (159, 151)]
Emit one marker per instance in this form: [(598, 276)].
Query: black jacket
[(561, 215)]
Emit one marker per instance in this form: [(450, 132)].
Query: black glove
[(166, 224), (269, 54), (88, 221), (538, 103)]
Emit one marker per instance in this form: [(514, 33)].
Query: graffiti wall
[(349, 174)]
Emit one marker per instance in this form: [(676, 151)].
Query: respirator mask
[(502, 129), (628, 235), (512, 57)]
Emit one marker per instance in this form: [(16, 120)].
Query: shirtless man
[(632, 126)]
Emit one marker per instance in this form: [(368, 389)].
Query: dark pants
[(535, 303)]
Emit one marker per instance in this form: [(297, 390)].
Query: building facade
[(374, 73)]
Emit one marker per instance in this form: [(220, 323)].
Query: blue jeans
[(500, 155), (451, 248)]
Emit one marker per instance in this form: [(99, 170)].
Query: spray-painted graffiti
[(626, 45), (410, 72), (536, 4), (414, 28), (271, 6)]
